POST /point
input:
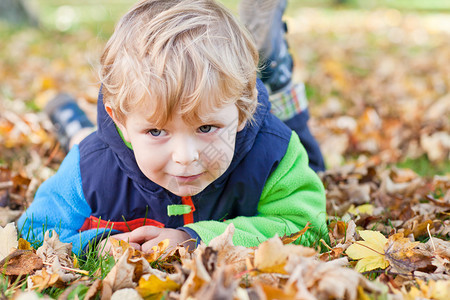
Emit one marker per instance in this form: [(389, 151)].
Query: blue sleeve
[(60, 205)]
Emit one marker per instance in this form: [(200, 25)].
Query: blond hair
[(191, 55)]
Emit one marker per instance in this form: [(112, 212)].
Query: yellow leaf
[(154, 287), (441, 290), (24, 245), (371, 263), (369, 252), (362, 295), (158, 251), (362, 209), (75, 262), (374, 238), (162, 246)]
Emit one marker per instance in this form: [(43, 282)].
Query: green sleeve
[(292, 196)]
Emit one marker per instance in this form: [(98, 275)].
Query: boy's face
[(183, 158)]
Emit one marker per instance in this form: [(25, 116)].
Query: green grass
[(424, 167), (96, 16), (100, 16)]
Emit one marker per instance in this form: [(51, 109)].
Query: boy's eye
[(207, 128), (156, 132)]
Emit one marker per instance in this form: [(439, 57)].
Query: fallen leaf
[(153, 287), (198, 276), (158, 251), (419, 229), (24, 245), (295, 236), (20, 262), (57, 256), (119, 247), (274, 292), (123, 274), (8, 239), (222, 285), (361, 209), (313, 279), (93, 290), (42, 280), (399, 252), (128, 294), (227, 253), (439, 290), (7, 215), (271, 256), (370, 252)]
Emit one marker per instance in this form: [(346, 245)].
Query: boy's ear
[(119, 124)]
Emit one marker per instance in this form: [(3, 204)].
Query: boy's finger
[(147, 246), (136, 246), (144, 233)]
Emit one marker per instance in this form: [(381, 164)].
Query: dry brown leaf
[(42, 280), (93, 289), (20, 262), (227, 253), (295, 236), (419, 229), (128, 294), (198, 276), (222, 285), (271, 256), (120, 277), (8, 215), (436, 145), (400, 181), (334, 253), (312, 279), (402, 257), (57, 256)]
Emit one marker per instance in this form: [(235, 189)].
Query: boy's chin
[(186, 191)]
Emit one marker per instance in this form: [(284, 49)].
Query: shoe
[(263, 18), (68, 118)]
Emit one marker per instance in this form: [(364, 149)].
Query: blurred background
[(377, 74)]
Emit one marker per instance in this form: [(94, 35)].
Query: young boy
[(185, 142)]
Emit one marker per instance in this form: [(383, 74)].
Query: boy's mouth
[(189, 178)]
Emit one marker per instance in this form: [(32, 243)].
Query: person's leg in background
[(71, 122), (263, 18)]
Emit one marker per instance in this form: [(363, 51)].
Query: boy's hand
[(149, 236), (105, 245)]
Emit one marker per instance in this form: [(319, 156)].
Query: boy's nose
[(185, 151)]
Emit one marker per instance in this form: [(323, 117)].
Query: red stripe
[(188, 218), (295, 100), (94, 223)]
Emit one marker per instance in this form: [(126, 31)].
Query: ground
[(379, 89)]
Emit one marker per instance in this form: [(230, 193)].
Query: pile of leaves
[(221, 270), (378, 84)]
